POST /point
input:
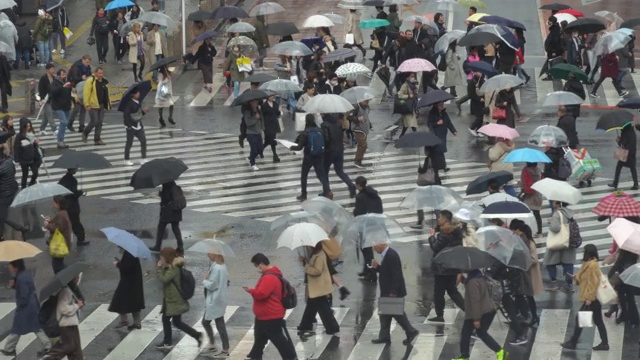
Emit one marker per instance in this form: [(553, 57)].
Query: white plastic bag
[(585, 319), (349, 39)]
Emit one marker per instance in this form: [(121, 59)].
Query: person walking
[(67, 312), (26, 152), (313, 143), (567, 123), (233, 71), (252, 117), (60, 93), (553, 44), (164, 95), (367, 202), (609, 69), (529, 175), (118, 37), (204, 56), (25, 319), (627, 141), (353, 32), (62, 224), (428, 175), (173, 303), (157, 44), (391, 282), (24, 45), (408, 92), (519, 61), (8, 191), (170, 213), (506, 99), (565, 257), (454, 75), (477, 104), (269, 324), (60, 22), (574, 85), (44, 85), (626, 293), (588, 278), (132, 114), (262, 41), (100, 31), (361, 126), (129, 295), (78, 107), (533, 279), (42, 32), (440, 124), (334, 150), (70, 182), (95, 96), (137, 51), (271, 116), (216, 298)]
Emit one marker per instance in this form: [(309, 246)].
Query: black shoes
[(601, 347), (301, 197), (83, 243), (276, 159), (171, 121), (344, 292), (410, 338), (154, 249), (8, 353), (162, 123), (570, 345), (436, 319), (381, 341)]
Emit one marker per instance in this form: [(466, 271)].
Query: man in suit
[(391, 285), (367, 202)]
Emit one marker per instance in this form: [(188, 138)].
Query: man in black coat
[(310, 160), (71, 183), (8, 191), (567, 123), (574, 85), (24, 45), (367, 202), (627, 140), (391, 285), (334, 150), (553, 43), (477, 102), (5, 83)]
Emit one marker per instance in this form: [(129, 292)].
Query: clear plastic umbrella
[(316, 21), (243, 42), (557, 98), (351, 5), (443, 43), (159, 18), (329, 211), (556, 190), (371, 229), (266, 8), (631, 276), (352, 69), (291, 48), (357, 94), (431, 197), (610, 16), (421, 19), (502, 32), (281, 86), (328, 104), (401, 2), (504, 245), (283, 222), (7, 4), (212, 246), (302, 234), (547, 135), (611, 42), (501, 82), (335, 18), (5, 48), (241, 27), (39, 192)]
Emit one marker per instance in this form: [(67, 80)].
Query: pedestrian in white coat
[(216, 290)]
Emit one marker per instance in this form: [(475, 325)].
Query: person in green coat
[(262, 40), (173, 304), (232, 70)]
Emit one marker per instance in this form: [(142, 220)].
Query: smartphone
[(42, 216)]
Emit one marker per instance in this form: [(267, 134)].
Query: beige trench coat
[(351, 27), (151, 44), (534, 271), (133, 48)]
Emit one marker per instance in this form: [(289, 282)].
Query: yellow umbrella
[(476, 18), (11, 250)]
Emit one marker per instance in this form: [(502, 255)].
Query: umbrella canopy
[(144, 88), (241, 27), (244, 42), (499, 20), (281, 86), (573, 12), (504, 245), (205, 35), (259, 78), (558, 98), (483, 67), (434, 97), (62, 279), (506, 210), (610, 16), (51, 4), (562, 71), (162, 63), (475, 18), (316, 21), (212, 246), (631, 23), (352, 69), (565, 17), (547, 135), (266, 8), (528, 155), (339, 55), (615, 120), (157, 172), (116, 4), (443, 43), (502, 32), (415, 65), (611, 42), (291, 48), (5, 48), (331, 213), (556, 190), (631, 276), (229, 12), (421, 19), (11, 250), (378, 3), (7, 4), (351, 4), (481, 183), (464, 258), (373, 23), (401, 2), (328, 104), (431, 197), (335, 18), (281, 29), (71, 159), (626, 234), (199, 15), (499, 131), (630, 103), (498, 197), (302, 234), (357, 94), (501, 82), (478, 39), (129, 242), (371, 229), (250, 95), (555, 6), (586, 26), (39, 192), (418, 139), (617, 206), (158, 18)]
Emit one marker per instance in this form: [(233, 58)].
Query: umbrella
[(415, 65), (51, 4), (351, 4), (558, 98), (586, 26), (501, 82), (71, 159), (475, 18), (162, 63), (506, 210), (241, 27), (547, 135), (499, 131), (631, 23), (157, 172), (418, 139), (281, 29), (617, 206), (335, 18), (373, 23), (129, 242), (212, 246), (352, 69), (481, 183), (464, 258), (631, 276), (38, 192), (504, 245), (610, 16), (565, 17), (11, 250), (502, 32), (7, 4), (357, 94), (401, 2), (611, 42), (556, 190), (498, 197), (285, 221), (116, 4), (144, 88), (339, 55), (302, 234), (281, 86), (421, 19), (331, 213), (483, 67), (562, 71), (478, 39), (243, 41), (499, 20), (626, 234), (630, 103), (555, 6), (615, 120), (62, 279), (328, 104), (371, 229), (316, 21), (205, 35), (158, 18), (431, 197), (199, 15), (229, 12), (266, 8), (291, 48), (250, 95), (527, 155), (377, 3), (443, 43), (259, 78), (434, 97), (478, 4), (573, 12)]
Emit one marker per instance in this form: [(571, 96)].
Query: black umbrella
[(378, 3), (433, 97), (631, 23), (199, 15), (62, 279), (464, 258), (228, 12), (506, 210), (499, 20), (163, 62), (259, 78), (339, 55), (585, 26), (281, 29), (418, 139), (250, 95), (615, 120), (478, 39), (157, 172), (481, 183), (205, 35), (484, 67), (71, 159), (555, 6), (52, 4), (630, 103), (144, 88)]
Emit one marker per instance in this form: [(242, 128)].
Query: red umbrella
[(617, 206), (573, 12)]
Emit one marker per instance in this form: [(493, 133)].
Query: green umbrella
[(562, 71), (373, 23)]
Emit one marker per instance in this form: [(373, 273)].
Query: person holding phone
[(61, 223), (67, 314)]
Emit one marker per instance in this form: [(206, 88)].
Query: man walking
[(96, 101), (312, 141), (334, 150), (70, 182), (8, 190), (367, 202), (267, 307), (43, 90), (60, 95), (361, 127), (262, 41), (132, 114)]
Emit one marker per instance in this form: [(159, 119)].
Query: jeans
[(155, 72), (509, 189), (140, 135), (481, 332), (96, 118), (276, 332), (255, 144), (12, 341), (442, 284), (262, 53), (175, 227), (54, 40), (621, 74), (222, 331), (566, 268), (616, 177), (44, 51), (63, 121), (25, 174), (319, 306), (596, 309), (520, 72), (317, 162), (102, 45), (47, 116), (177, 322), (236, 89), (24, 54), (336, 158), (77, 108)]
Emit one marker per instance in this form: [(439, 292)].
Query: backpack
[(564, 168), (465, 67), (575, 239), (187, 284), (442, 65), (179, 201), (46, 29), (315, 142), (47, 317), (289, 297), (495, 290)]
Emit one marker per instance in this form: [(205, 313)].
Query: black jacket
[(477, 105), (25, 41), (568, 124), (390, 275), (628, 141), (553, 42), (43, 86), (168, 213), (368, 202), (132, 107), (100, 25), (71, 183), (302, 140), (449, 235), (129, 295), (24, 151), (332, 132), (574, 85), (60, 96), (76, 72), (8, 183), (440, 130), (270, 116), (551, 169)]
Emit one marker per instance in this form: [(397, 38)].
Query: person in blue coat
[(25, 320), (440, 124), (216, 294)]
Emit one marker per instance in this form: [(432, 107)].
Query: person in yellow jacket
[(96, 101)]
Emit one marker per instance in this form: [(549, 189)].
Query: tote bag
[(559, 240), (621, 154), (57, 245), (605, 293), (585, 319), (428, 177), (244, 64), (349, 39)]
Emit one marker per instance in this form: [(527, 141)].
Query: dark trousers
[(77, 108), (255, 146), (270, 140), (162, 226), (177, 322), (276, 332), (385, 325), (634, 174), (76, 225), (69, 344), (25, 174), (4, 214), (119, 46), (96, 119), (442, 284), (367, 256), (222, 331), (616, 84), (526, 305), (317, 162), (509, 306), (536, 215), (140, 135), (319, 305), (57, 264), (3, 97), (478, 121), (481, 332), (102, 45), (627, 301), (596, 309), (336, 158), (138, 73)]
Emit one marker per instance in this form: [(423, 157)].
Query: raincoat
[(8, 35)]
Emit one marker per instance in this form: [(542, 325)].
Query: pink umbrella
[(416, 65), (615, 194), (499, 131), (626, 234)]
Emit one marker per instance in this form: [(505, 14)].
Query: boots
[(162, 123), (276, 159), (171, 121), (612, 309)]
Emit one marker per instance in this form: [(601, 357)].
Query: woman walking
[(129, 295), (68, 306), (216, 294), (164, 95), (136, 51), (170, 213), (626, 293), (204, 56), (565, 257), (26, 152), (253, 119), (271, 113), (428, 175), (529, 175), (353, 32), (454, 75), (407, 91), (233, 71), (609, 69), (440, 124), (506, 99), (62, 224), (627, 140), (526, 302)]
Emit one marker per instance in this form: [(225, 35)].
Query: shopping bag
[(349, 39), (390, 306), (280, 124), (559, 240), (605, 293), (67, 33), (300, 120), (294, 78), (57, 245), (244, 64), (585, 319), (621, 154)]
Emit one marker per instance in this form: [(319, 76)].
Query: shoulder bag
[(621, 154), (559, 240), (428, 177)]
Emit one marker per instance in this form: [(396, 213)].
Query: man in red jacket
[(267, 307)]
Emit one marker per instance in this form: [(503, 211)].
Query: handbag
[(244, 64), (349, 39), (163, 91), (428, 177), (559, 240), (585, 319), (621, 154), (57, 245), (605, 293), (499, 114), (390, 306), (403, 106)]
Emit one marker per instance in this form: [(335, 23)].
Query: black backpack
[(187, 284), (289, 297), (179, 201), (564, 168), (575, 239), (48, 318)]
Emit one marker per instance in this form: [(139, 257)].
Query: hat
[(332, 75), (463, 215)]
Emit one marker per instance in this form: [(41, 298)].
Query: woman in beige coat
[(351, 27), (498, 152), (524, 231), (408, 90), (137, 51)]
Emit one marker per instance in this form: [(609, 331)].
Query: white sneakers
[(43, 133), (128, 163), (254, 168)]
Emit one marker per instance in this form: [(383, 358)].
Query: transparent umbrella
[(611, 42), (504, 245), (558, 98), (281, 86), (501, 82), (547, 135), (421, 19), (357, 94), (39, 192), (371, 229), (159, 18), (212, 246), (431, 197), (443, 43), (243, 42), (328, 104), (351, 5), (291, 48), (610, 16), (266, 8), (315, 21), (334, 215), (7, 4), (335, 18), (241, 27), (631, 276)]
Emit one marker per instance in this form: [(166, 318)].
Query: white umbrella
[(631, 276), (266, 8), (316, 21), (281, 86), (302, 234), (565, 17), (159, 18), (357, 94), (556, 190), (328, 104), (212, 246), (335, 18), (7, 4), (352, 69), (558, 98), (401, 2), (351, 5), (443, 43), (421, 19), (291, 48), (38, 192), (241, 27), (626, 234), (501, 82)]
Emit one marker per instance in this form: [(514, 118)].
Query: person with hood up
[(367, 202), (553, 43), (8, 35), (567, 123), (334, 150), (129, 295), (70, 182), (61, 99), (27, 153), (627, 140), (100, 30), (216, 295), (262, 41), (309, 140), (565, 257), (24, 45), (5, 83), (440, 124)]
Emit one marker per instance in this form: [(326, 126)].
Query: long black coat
[(390, 275), (167, 213), (574, 85), (270, 117), (129, 295), (71, 183), (568, 124), (440, 130), (628, 141)]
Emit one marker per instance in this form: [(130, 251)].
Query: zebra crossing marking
[(551, 332), (243, 86), (498, 330), (429, 346), (364, 349), (314, 346), (246, 343), (615, 335), (91, 326), (137, 341)]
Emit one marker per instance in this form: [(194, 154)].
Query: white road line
[(243, 86), (615, 334), (364, 349), (138, 340), (246, 343), (551, 333), (95, 323), (498, 330), (542, 87), (314, 346)]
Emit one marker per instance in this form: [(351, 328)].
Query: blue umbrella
[(129, 242), (116, 4), (527, 155), (484, 67), (205, 35), (144, 88)]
